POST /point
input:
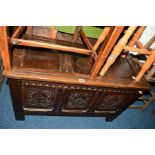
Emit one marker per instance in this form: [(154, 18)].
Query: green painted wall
[(90, 31)]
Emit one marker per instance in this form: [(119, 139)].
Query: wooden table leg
[(16, 99)]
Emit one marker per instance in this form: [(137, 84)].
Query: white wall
[(147, 35)]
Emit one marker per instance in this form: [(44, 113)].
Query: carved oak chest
[(67, 93), (59, 74), (50, 98)]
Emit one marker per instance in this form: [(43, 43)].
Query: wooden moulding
[(114, 83), (30, 43), (108, 44), (118, 49), (4, 49)]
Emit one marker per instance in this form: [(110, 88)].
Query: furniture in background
[(56, 73), (150, 76), (122, 45)]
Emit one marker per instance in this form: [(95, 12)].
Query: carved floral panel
[(39, 97), (78, 100), (111, 101)]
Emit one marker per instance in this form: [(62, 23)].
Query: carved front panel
[(39, 97), (113, 99), (78, 100), (111, 102), (73, 98)]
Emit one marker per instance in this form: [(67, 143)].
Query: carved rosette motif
[(78, 100), (39, 97), (111, 102)]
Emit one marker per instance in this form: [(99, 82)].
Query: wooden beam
[(76, 34), (101, 37), (88, 44), (137, 35), (30, 43), (150, 73), (138, 50), (30, 30), (118, 49), (51, 41), (107, 46), (53, 32), (86, 40), (4, 49), (18, 31), (140, 45), (146, 66), (149, 43)]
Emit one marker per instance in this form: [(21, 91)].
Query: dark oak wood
[(49, 94), (38, 97), (15, 91), (46, 81), (52, 66)]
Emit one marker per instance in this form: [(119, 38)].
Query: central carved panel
[(78, 100), (39, 97)]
